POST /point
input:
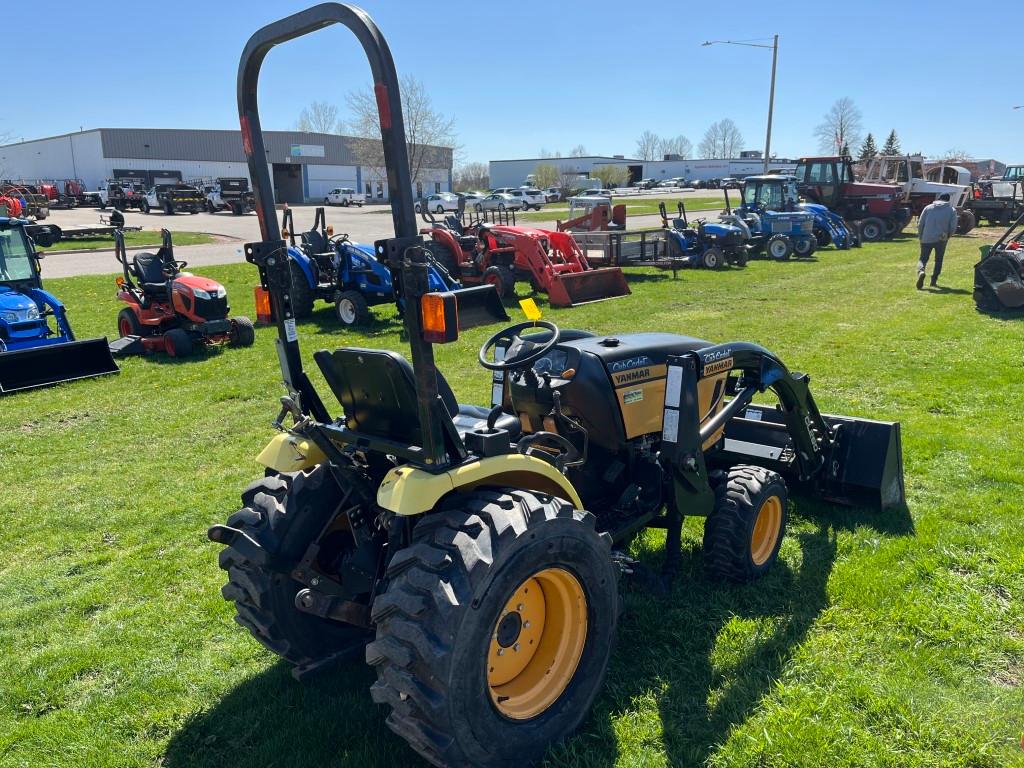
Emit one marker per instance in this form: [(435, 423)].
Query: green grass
[(145, 237), (635, 206), (890, 639)]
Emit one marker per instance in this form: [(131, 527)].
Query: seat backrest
[(149, 267), (315, 241), (376, 388)]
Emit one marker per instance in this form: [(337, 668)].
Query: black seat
[(377, 391), (149, 269), (315, 242)]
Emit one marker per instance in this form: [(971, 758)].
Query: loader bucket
[(479, 306), (571, 288), (54, 363), (867, 463)]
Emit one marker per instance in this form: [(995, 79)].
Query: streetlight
[(771, 94)]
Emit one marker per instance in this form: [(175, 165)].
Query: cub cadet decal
[(719, 366), (633, 362), (633, 396)]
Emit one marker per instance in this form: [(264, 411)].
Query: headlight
[(21, 315), (222, 292), (200, 293), (10, 317)]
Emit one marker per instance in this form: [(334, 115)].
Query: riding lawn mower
[(999, 276), (170, 310), (472, 554), (711, 245)]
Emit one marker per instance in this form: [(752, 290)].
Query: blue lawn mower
[(711, 245), (32, 353), (331, 268), (771, 218)]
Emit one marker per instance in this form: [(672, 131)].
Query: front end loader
[(32, 352), (471, 554)]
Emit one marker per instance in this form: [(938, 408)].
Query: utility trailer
[(174, 198), (226, 194)]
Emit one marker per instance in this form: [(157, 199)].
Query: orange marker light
[(439, 318), (120, 282), (264, 315)]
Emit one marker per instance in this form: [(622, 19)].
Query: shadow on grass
[(951, 291), (666, 648)]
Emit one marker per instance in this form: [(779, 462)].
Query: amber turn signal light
[(439, 317)]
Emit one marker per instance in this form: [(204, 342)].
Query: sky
[(534, 75)]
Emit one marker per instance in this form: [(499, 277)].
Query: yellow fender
[(290, 453), (411, 491)]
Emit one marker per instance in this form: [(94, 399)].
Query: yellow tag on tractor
[(472, 554)]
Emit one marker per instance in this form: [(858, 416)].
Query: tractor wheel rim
[(124, 327), (870, 231), (537, 643), (766, 530), (778, 249), (346, 311)]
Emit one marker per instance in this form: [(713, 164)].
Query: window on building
[(437, 187), (419, 190), (380, 190), (369, 189)]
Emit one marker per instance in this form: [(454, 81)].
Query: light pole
[(771, 93)]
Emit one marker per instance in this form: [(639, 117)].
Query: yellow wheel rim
[(766, 530), (536, 643)]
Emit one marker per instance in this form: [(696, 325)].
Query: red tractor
[(877, 209), (170, 310), (471, 254)]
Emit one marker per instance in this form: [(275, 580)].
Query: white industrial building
[(304, 166), (513, 173)]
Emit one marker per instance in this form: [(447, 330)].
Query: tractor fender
[(290, 453), (305, 264), (411, 491)]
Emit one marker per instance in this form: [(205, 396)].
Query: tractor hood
[(860, 189), (721, 230), (815, 208), (194, 282), (11, 301)]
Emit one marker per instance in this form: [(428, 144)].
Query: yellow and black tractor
[(473, 554)]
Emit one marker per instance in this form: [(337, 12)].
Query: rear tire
[(284, 513), (177, 343), (743, 533), (351, 309), (128, 324), (966, 221), (779, 247), (243, 334), (872, 230), (458, 598), (302, 294)]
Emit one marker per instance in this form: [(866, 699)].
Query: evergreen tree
[(892, 144), (868, 150), (845, 151)]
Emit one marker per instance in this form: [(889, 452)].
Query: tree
[(648, 146), (471, 176), (721, 140), (680, 146), (892, 144), (868, 150), (569, 180), (955, 156), (429, 134), (840, 126), (845, 150), (545, 175), (578, 151), (319, 117), (610, 176)]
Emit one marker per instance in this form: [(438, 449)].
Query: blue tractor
[(711, 245), (771, 218), (331, 268), (32, 353), (830, 228)]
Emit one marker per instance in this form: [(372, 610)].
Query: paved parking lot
[(367, 224)]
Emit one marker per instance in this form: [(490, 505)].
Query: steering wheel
[(511, 335), (172, 268)]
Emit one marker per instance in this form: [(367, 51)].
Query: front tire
[(458, 612), (242, 332), (502, 278), (351, 308), (805, 247), (177, 343), (712, 258), (779, 247), (743, 533), (872, 230)]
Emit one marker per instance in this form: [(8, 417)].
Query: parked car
[(552, 194), (440, 202), (730, 183), (531, 197), (344, 196), (471, 198), (645, 184), (596, 193), (666, 184), (499, 201)]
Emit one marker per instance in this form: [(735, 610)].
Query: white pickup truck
[(344, 196)]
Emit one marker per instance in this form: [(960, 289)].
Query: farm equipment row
[(470, 554)]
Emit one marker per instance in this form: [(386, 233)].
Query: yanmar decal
[(719, 366)]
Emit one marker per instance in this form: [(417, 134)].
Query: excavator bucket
[(54, 363), (571, 288), (479, 306)]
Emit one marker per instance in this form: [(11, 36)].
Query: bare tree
[(569, 180), (578, 151), (841, 127), (610, 175), (6, 137), (648, 146), (955, 156), (319, 117), (680, 145), (721, 140), (430, 135), (545, 175), (471, 176)]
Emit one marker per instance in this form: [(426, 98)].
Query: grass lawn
[(145, 237), (635, 206), (890, 639)]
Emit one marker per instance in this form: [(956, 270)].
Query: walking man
[(934, 226)]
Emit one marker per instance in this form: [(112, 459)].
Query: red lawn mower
[(170, 310)]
